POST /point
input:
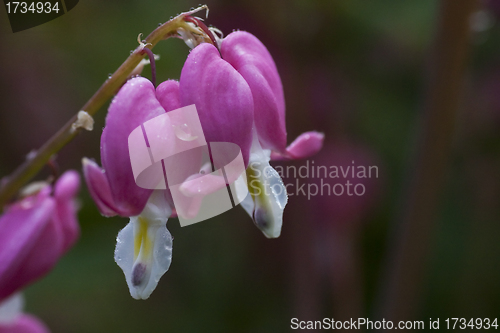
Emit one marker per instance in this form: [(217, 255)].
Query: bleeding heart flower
[(35, 232), (223, 86), (144, 246), (239, 98)]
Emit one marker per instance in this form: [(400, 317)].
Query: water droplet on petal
[(184, 133)]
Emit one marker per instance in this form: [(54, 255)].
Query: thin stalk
[(35, 161), (152, 63), (401, 291)]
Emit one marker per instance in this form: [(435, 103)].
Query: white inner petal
[(11, 308), (268, 196), (248, 204), (144, 247)]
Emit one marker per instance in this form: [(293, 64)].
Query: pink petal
[(25, 324), (36, 232), (67, 186), (45, 251), (201, 185), (168, 95), (65, 191), (98, 187), (21, 230), (134, 104), (305, 145), (253, 61), (221, 95)]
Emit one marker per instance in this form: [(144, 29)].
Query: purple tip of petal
[(67, 185), (305, 145), (98, 187), (168, 95), (25, 324)]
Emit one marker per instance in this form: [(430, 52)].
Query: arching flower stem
[(36, 160)]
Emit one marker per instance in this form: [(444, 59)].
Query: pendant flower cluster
[(36, 232), (238, 94)]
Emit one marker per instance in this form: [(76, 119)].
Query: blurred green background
[(353, 69)]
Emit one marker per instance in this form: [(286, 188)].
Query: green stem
[(37, 160)]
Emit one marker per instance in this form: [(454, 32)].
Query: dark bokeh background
[(353, 69)]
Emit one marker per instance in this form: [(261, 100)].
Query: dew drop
[(184, 133)]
